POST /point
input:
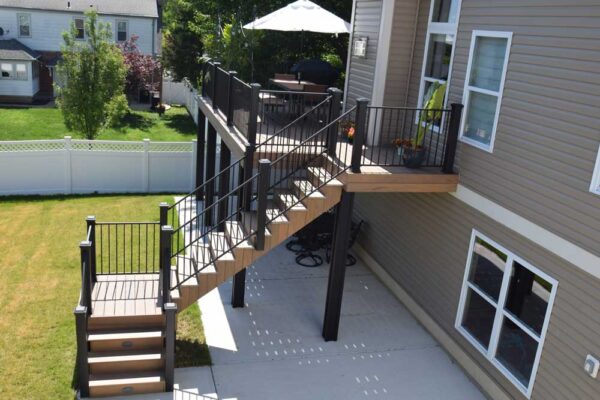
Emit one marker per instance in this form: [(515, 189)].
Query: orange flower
[(350, 132)]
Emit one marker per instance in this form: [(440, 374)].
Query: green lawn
[(39, 288), (47, 123)]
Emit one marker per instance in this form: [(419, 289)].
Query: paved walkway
[(273, 348)]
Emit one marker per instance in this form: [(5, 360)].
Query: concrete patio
[(273, 349)]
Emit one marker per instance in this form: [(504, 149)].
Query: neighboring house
[(506, 270), (36, 26)]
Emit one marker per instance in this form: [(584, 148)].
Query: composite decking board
[(125, 295)]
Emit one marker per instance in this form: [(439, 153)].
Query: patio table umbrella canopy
[(301, 15)]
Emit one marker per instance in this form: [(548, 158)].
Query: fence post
[(166, 233), (452, 138), (253, 120), (91, 226), (232, 75), (86, 276), (359, 134), (68, 168), (335, 110), (264, 179), (170, 314), (83, 373), (214, 84), (146, 173)]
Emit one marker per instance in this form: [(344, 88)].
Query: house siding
[(47, 28), (361, 71), (422, 240), (547, 136)]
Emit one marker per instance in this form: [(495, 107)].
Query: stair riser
[(116, 323), (126, 366), (121, 390), (124, 345)]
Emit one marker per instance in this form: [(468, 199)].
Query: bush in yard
[(143, 71), (94, 73)]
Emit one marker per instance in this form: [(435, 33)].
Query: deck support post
[(211, 154), (337, 266), (359, 134), (238, 289), (170, 313), (224, 187), (200, 153), (81, 320)]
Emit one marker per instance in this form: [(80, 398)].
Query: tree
[(94, 74), (143, 71)]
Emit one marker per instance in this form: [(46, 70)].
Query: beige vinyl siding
[(417, 62), (361, 72), (401, 45), (548, 128), (422, 240)]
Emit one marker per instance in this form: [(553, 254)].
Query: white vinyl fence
[(84, 166), (181, 93)]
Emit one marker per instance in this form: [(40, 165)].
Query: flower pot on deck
[(412, 157)]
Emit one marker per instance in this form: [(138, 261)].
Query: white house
[(31, 37)]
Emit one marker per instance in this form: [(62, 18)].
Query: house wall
[(47, 28), (361, 71), (422, 240)]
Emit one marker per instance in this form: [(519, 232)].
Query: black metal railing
[(221, 94), (241, 96)]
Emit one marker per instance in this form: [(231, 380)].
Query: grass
[(47, 123), (40, 283)]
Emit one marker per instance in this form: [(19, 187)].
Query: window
[(122, 31), (24, 21), (439, 47), (21, 72), (486, 71), (505, 309), (80, 27), (6, 71), (13, 71), (595, 186)]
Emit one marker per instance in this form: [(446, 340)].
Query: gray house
[(505, 271)]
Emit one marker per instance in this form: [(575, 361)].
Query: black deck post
[(216, 66), (238, 289), (337, 266), (335, 110), (360, 134), (200, 152), (91, 225), (229, 111), (211, 154), (166, 233), (83, 374), (224, 162), (87, 285), (264, 179), (452, 138), (170, 312)]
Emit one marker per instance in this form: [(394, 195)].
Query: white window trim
[(468, 88), (117, 30), (490, 353), (595, 185), (19, 25), (442, 28)]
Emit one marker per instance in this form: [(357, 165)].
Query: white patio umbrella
[(301, 15)]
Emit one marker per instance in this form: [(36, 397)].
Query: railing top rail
[(314, 135), (219, 69), (129, 223), (409, 108), (238, 80)]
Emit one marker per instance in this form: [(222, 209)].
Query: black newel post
[(224, 187), (337, 269), (200, 152), (452, 138), (87, 284), (170, 315), (335, 110), (166, 233), (83, 374), (211, 155), (214, 84), (264, 179), (359, 134), (91, 225), (229, 111)]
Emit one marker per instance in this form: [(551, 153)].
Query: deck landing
[(126, 295)]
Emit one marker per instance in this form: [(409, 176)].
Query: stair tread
[(307, 189), (290, 201), (130, 378), (324, 176), (124, 335), (249, 220), (219, 246), (120, 356), (237, 235)]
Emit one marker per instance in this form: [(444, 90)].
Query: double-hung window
[(14, 71), (24, 21), (595, 186), (122, 31), (439, 47), (505, 309), (80, 28), (484, 84)]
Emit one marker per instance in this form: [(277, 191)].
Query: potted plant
[(411, 153), (348, 130)]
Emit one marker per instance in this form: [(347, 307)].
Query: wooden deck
[(126, 295)]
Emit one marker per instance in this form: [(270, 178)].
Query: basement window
[(504, 309)]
